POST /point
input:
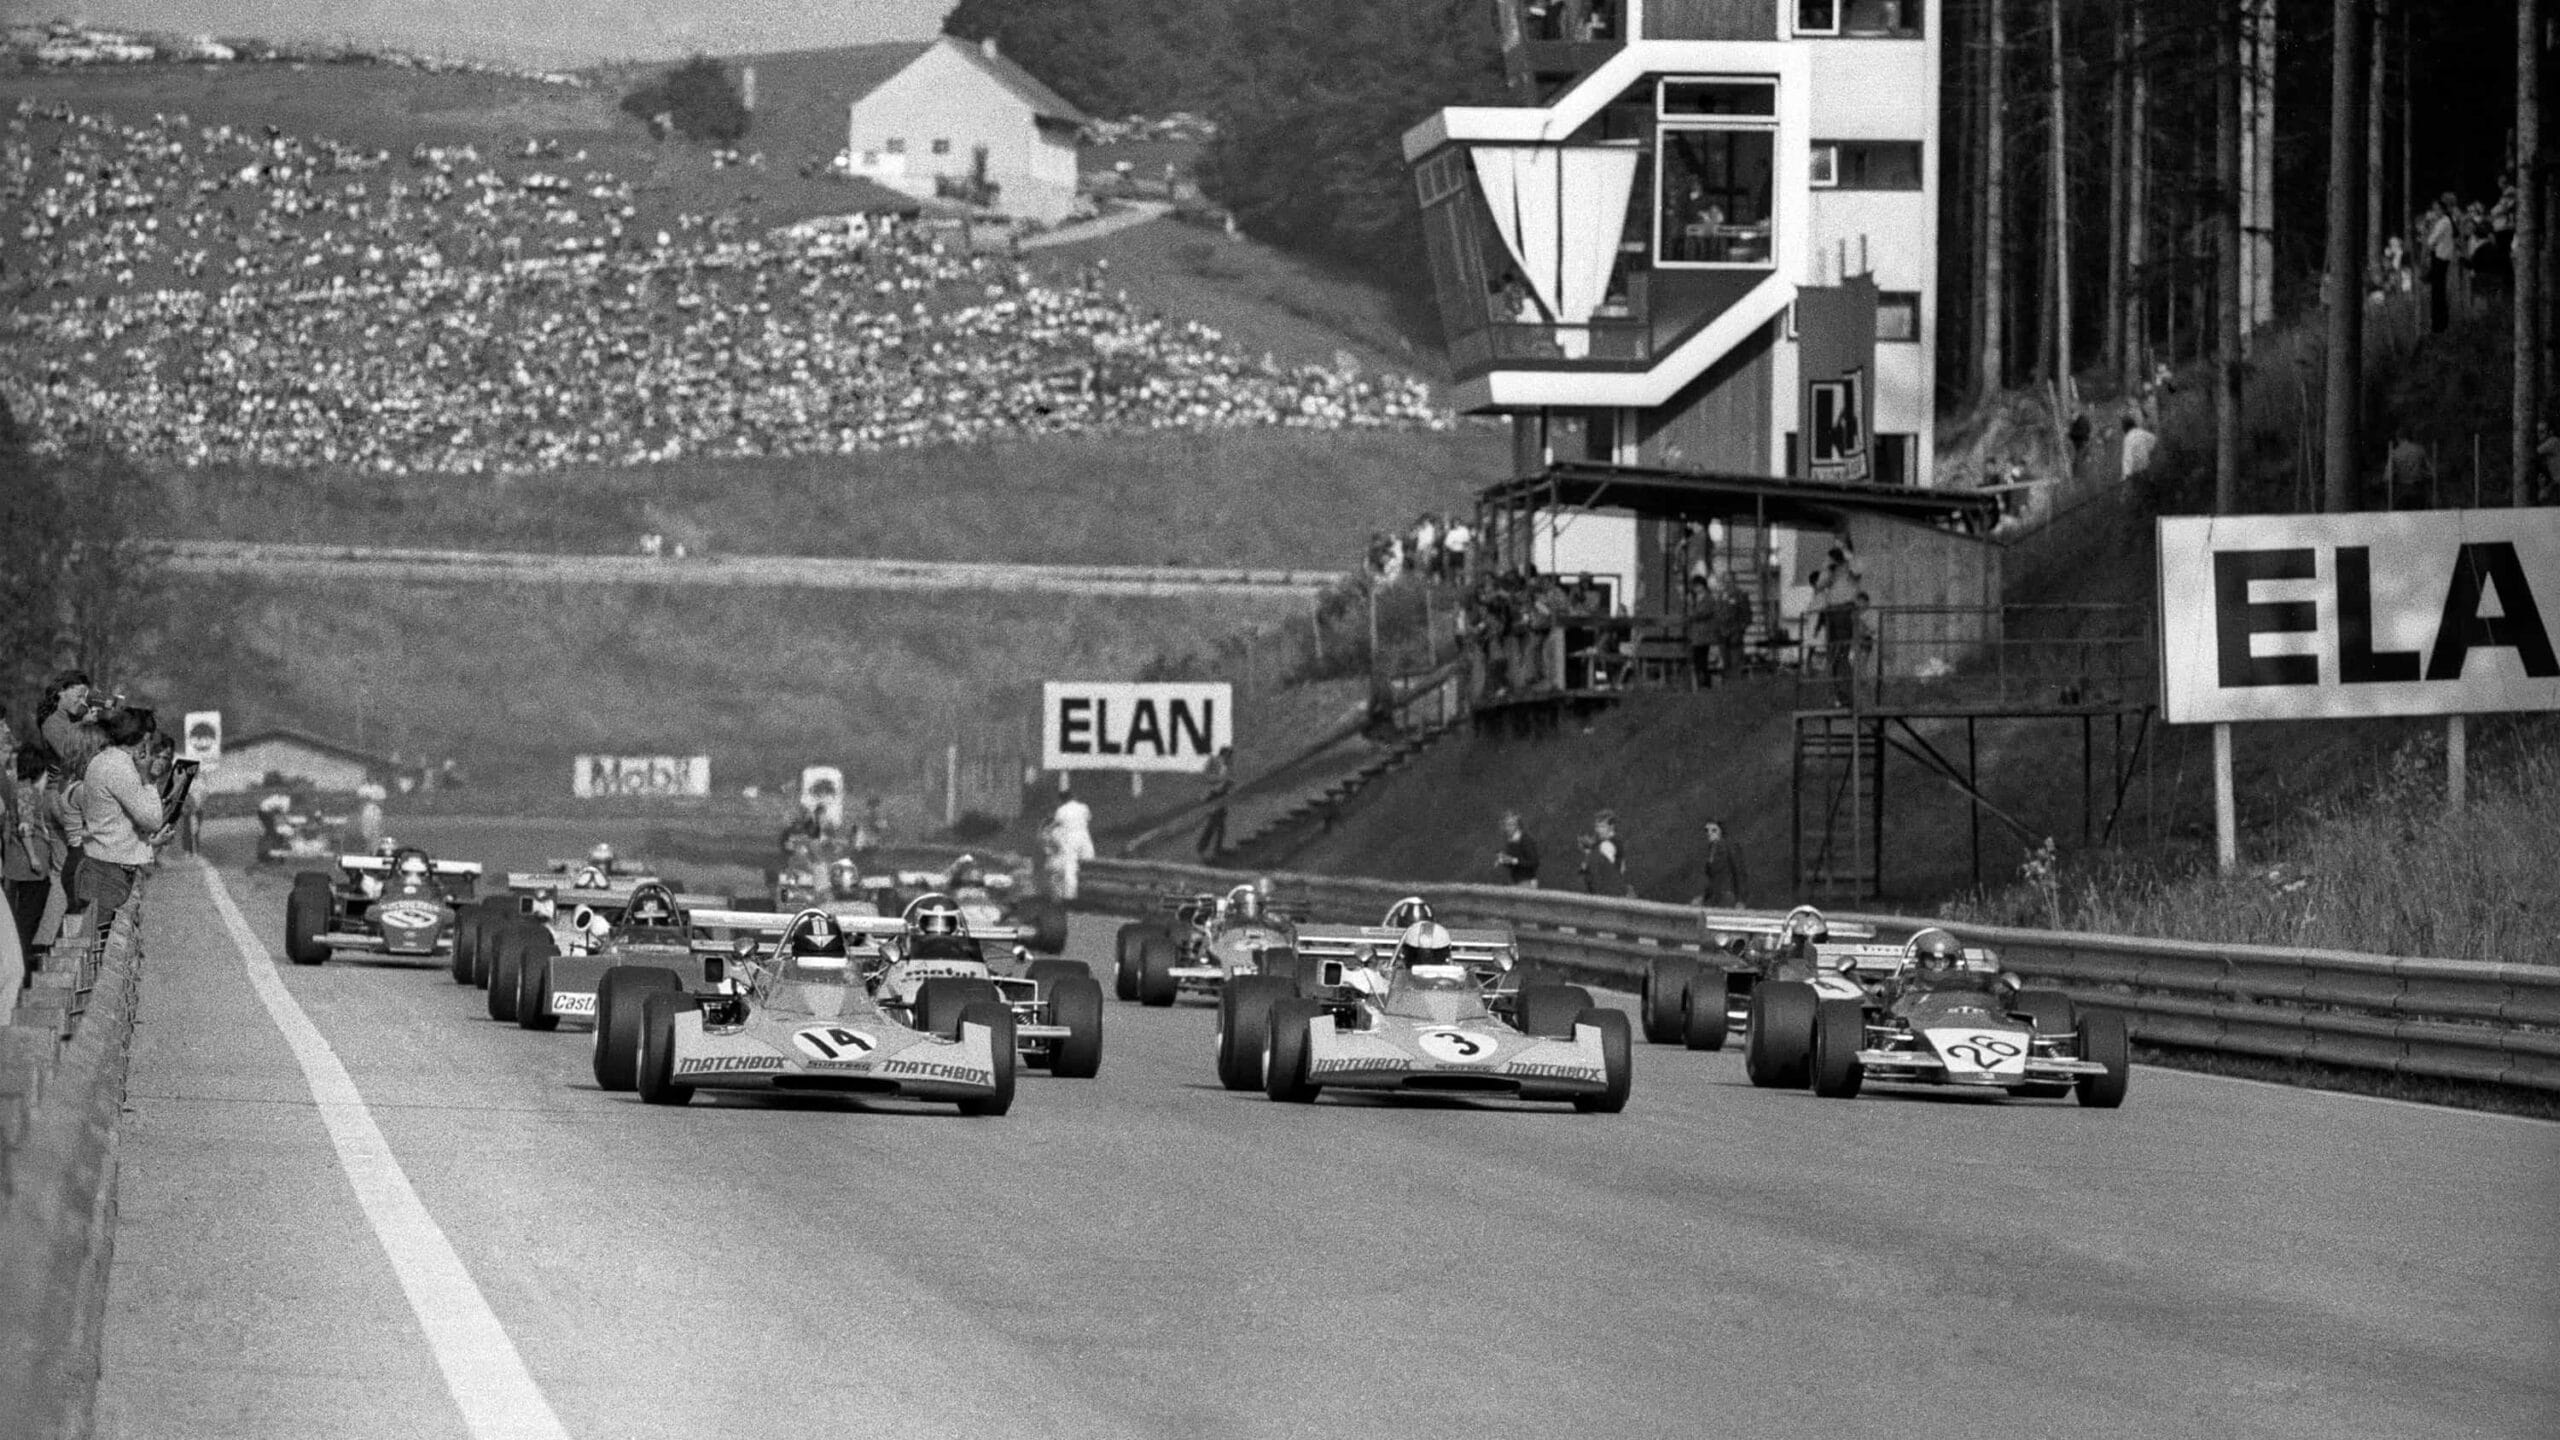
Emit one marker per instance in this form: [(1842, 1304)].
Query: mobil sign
[(1108, 726), (2306, 617)]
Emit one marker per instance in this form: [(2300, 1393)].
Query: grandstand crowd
[(214, 294)]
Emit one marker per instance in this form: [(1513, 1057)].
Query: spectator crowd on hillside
[(209, 295)]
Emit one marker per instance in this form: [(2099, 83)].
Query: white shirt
[(1074, 820), (2138, 445)]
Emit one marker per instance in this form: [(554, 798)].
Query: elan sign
[(1162, 727), (2307, 617)]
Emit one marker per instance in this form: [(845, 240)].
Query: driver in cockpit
[(935, 930)]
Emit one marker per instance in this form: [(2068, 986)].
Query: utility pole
[(2228, 372), (2111, 314), (2342, 464), (1995, 219), (2059, 166), (2528, 249), (2376, 123), (2137, 206)]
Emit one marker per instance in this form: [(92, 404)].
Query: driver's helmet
[(965, 871), (651, 905), (275, 805), (600, 854), (1804, 929), (815, 942), (412, 866), (1246, 902), (1410, 911), (1424, 943), (844, 879), (933, 914), (590, 878), (386, 847), (1934, 953)]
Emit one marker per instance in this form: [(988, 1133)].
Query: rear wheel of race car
[(940, 1004), (2103, 1039), (1665, 982), (533, 982), (466, 940), (1124, 950), (1047, 920), (1000, 1050), (619, 997), (1777, 1041), (1617, 1061), (1075, 1001), (1049, 972), (1245, 1008), (1547, 1011), (1157, 956), (306, 919), (656, 1070), (484, 955), (1704, 1020), (505, 966), (1285, 1068), (1839, 1029)]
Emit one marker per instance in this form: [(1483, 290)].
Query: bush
[(699, 100)]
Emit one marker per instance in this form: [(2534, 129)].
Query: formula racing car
[(991, 900), (1201, 943), (1952, 1017), (544, 917), (797, 1017), (397, 901), (1411, 1016)]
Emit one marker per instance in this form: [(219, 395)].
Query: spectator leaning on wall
[(121, 813)]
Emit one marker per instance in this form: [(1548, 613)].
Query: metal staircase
[(1839, 804)]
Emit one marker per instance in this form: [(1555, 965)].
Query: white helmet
[(1423, 943)]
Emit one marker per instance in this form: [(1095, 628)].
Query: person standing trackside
[(1071, 828), (1518, 857), (121, 813), (1213, 833), (26, 854), (1604, 860), (1726, 885)]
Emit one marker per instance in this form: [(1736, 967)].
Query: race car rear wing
[(1731, 922), (1883, 959), (381, 865), (1368, 943), (928, 880), (610, 867)]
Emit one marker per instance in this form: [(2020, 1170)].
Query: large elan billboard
[(2306, 617), (1115, 726)]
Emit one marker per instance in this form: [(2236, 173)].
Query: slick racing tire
[(1156, 958), (1547, 1011), (656, 1071), (1284, 1070), (1777, 1041), (306, 919), (1704, 1020), (1075, 1001), (505, 965), (2054, 1017), (1617, 1061), (1245, 1008), (1050, 972), (466, 940), (533, 982), (1124, 950), (2103, 1039), (1839, 1028), (1665, 982), (1000, 1046), (484, 955), (940, 1003), (1047, 920), (619, 997)]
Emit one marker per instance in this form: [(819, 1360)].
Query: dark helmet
[(814, 935), (934, 914), (965, 871), (1246, 901), (1934, 952), (652, 905), (1408, 912), (1423, 943)]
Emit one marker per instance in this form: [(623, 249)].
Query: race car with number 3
[(1951, 1017), (1407, 1015), (399, 902), (796, 1018)]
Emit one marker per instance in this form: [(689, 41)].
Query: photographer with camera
[(121, 812), (1604, 860)]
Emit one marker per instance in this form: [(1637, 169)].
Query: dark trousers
[(103, 888), (26, 906), (1213, 835)]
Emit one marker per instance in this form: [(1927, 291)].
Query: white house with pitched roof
[(920, 116)]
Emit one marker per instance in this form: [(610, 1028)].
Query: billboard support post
[(2457, 764), (2226, 817), (950, 785)]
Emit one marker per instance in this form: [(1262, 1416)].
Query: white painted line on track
[(487, 1378)]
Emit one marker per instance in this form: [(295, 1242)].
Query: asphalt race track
[(518, 1254)]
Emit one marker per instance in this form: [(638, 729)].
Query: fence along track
[(2449, 1019)]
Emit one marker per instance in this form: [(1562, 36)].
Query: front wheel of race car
[(533, 983), (484, 954), (1666, 982), (505, 966), (1617, 1061), (466, 940), (1075, 1001), (1156, 958), (619, 997), (1290, 1054), (1000, 1049), (940, 1004), (1245, 1008), (656, 1071), (1124, 950), (1548, 1011), (2103, 1039), (1839, 1029), (1704, 1020), (306, 919), (1777, 1041)]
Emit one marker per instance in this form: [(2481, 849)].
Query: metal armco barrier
[(2451, 1019), (62, 1086)]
